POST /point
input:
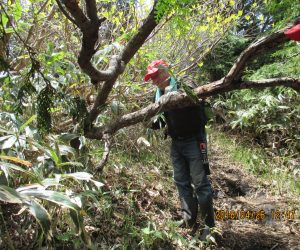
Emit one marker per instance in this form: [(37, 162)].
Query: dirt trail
[(236, 190)]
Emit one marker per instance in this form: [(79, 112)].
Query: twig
[(159, 28), (108, 140), (30, 32), (200, 58), (273, 247)]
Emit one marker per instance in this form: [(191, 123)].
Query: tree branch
[(139, 38), (65, 12), (89, 30), (108, 141), (174, 100), (117, 64), (101, 98), (270, 41), (79, 17), (283, 81), (91, 10), (179, 100)]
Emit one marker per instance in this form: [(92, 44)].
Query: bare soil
[(237, 190)]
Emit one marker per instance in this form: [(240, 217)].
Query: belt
[(182, 138)]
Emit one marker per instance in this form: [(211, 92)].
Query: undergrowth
[(281, 173), (139, 207)]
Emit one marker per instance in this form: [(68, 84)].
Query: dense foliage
[(269, 117)]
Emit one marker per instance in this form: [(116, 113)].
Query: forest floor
[(235, 188), (138, 208), (238, 190)]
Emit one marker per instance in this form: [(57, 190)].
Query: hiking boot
[(187, 224), (207, 214), (189, 208), (205, 232)]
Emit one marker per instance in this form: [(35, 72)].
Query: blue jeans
[(189, 174)]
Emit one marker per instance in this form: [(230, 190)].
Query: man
[(186, 126)]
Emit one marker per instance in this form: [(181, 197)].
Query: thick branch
[(285, 81), (117, 64), (139, 38), (89, 29), (77, 13), (228, 83), (101, 98), (264, 43), (91, 10), (180, 100)]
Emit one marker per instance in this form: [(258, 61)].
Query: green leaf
[(98, 184), (50, 182), (15, 167), (54, 157), (79, 176), (82, 141), (4, 20), (41, 215), (65, 236), (56, 57), (17, 12), (43, 148), (78, 221), (9, 30), (30, 120), (84, 176), (76, 164), (68, 136), (146, 230), (55, 197), (9, 141), (190, 93), (10, 195)]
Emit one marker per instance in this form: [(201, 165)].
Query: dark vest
[(186, 122)]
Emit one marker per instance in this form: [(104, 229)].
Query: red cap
[(153, 68), (293, 33)]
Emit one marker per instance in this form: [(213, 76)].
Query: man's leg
[(182, 179), (202, 186)]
